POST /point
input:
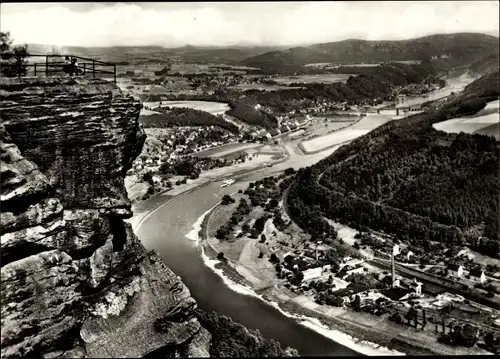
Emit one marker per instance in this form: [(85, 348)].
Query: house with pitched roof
[(275, 132), (284, 129), (416, 286), (477, 275), (455, 270)]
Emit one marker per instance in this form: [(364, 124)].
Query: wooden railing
[(49, 67)]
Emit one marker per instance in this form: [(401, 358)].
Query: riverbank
[(142, 208), (366, 334), (276, 297)]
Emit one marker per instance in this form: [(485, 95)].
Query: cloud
[(265, 23)]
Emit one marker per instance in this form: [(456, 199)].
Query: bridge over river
[(396, 111)]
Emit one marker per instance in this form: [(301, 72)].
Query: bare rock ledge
[(75, 280)]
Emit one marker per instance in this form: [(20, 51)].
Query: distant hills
[(463, 47), (221, 55), (453, 49)]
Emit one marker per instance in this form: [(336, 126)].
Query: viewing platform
[(54, 65)]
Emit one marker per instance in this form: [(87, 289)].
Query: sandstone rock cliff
[(75, 280)]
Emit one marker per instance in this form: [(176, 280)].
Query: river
[(455, 84), (165, 230)]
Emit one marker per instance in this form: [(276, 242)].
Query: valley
[(249, 180)]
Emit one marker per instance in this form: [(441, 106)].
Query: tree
[(492, 342), (14, 61), (166, 69), (357, 302), (465, 335), (227, 199), (297, 279), (289, 171), (5, 41), (274, 258), (147, 177), (220, 256), (412, 315)]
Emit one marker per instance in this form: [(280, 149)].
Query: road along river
[(165, 229)]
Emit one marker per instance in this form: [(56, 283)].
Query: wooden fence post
[(34, 68), (114, 72), (93, 69), (46, 66), (84, 68)]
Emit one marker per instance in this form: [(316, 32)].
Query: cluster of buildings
[(286, 125), (457, 271), (171, 150), (441, 56)]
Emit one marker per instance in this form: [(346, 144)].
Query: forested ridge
[(180, 116), (252, 116), (375, 84), (408, 179), (461, 47)]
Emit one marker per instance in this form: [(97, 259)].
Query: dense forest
[(252, 116), (173, 117), (408, 179), (190, 166), (230, 339)]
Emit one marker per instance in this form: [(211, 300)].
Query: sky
[(240, 23)]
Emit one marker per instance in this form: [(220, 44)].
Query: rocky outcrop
[(75, 280)]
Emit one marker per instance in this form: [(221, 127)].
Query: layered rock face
[(75, 280)]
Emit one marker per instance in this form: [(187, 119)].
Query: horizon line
[(256, 44)]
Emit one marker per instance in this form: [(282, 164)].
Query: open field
[(484, 122), (371, 121), (331, 139), (182, 67), (324, 78), (320, 127), (145, 112), (229, 149), (264, 87), (333, 65), (244, 251), (232, 67), (215, 151), (365, 125), (215, 108), (178, 86), (493, 130)]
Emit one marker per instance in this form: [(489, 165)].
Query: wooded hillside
[(408, 179)]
